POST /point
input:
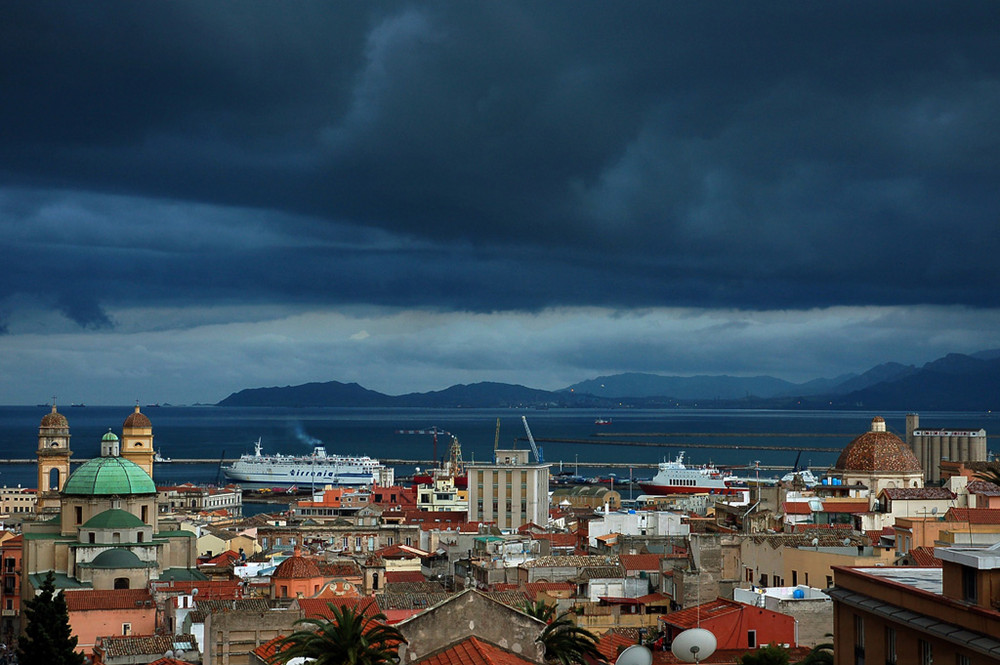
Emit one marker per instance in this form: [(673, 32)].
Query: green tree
[(47, 636), (348, 638), (567, 643), (540, 610), (772, 654)]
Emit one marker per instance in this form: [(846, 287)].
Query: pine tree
[(47, 637)]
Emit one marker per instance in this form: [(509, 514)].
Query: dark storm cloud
[(503, 155)]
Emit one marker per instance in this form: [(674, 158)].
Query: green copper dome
[(114, 519), (110, 436), (108, 476), (117, 558)]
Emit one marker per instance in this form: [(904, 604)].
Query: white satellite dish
[(635, 655), (694, 644)]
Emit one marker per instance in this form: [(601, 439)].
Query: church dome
[(115, 518), (137, 419), (54, 419), (296, 568), (117, 558), (110, 436), (107, 476), (878, 450)]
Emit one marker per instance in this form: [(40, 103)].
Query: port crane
[(531, 440), (433, 431)]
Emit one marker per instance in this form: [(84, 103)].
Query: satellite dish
[(934, 510), (635, 655), (169, 653), (815, 542), (194, 591), (693, 645), (846, 541)]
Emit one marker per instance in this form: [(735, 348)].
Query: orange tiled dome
[(137, 419), (54, 419), (296, 568), (878, 450)]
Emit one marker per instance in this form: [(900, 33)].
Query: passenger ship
[(319, 468), (675, 478)]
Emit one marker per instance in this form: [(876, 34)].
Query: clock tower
[(137, 440), (53, 460)]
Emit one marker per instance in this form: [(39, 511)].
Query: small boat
[(603, 421), (157, 457)]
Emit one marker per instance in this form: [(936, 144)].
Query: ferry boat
[(676, 478), (318, 468), (603, 421)]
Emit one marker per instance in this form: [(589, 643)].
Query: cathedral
[(99, 527)]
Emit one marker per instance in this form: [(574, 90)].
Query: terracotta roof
[(223, 559), (640, 561), (218, 606), (613, 643), (317, 607), (86, 600), (913, 493), (983, 488), (136, 419), (400, 576), (924, 556), (796, 508), (223, 589), (689, 618), (974, 515), (267, 650), (122, 646), (473, 651), (296, 568), (534, 588), (54, 419), (878, 450)]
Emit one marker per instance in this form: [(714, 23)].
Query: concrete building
[(932, 446), (637, 523), (17, 502), (510, 492), (920, 615)]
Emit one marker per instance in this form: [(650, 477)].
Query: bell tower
[(137, 440), (53, 459)]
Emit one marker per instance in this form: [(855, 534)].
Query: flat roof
[(925, 579)]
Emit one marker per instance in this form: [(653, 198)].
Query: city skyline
[(409, 197)]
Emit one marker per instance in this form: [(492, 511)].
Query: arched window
[(54, 479), (121, 583)]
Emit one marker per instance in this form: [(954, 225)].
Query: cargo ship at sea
[(676, 478), (318, 468)]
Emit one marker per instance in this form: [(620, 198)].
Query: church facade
[(99, 527)]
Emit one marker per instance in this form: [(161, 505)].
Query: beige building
[(441, 495), (510, 492), (17, 501), (106, 532)]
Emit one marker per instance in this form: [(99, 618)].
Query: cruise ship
[(319, 468), (675, 478)]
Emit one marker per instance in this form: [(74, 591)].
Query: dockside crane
[(531, 441), (433, 431)]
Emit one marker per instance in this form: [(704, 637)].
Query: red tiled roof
[(534, 588), (317, 607), (222, 559), (796, 508), (86, 600), (689, 618), (878, 451), (983, 488), (557, 539), (924, 556), (473, 651), (121, 646), (611, 644), (974, 515), (218, 589), (640, 561), (267, 650), (913, 493)]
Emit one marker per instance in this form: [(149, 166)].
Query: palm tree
[(347, 638), (540, 610), (990, 475), (567, 643), (821, 654)]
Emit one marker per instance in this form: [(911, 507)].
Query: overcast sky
[(200, 197)]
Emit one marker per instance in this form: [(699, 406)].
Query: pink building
[(97, 613)]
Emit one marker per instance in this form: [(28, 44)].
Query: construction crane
[(433, 431), (531, 441)]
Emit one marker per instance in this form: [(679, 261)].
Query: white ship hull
[(318, 468)]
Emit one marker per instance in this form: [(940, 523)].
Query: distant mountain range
[(955, 382)]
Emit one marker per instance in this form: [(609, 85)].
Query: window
[(284, 591), (926, 652), (969, 591), (126, 629), (91, 537), (890, 646), (79, 514), (795, 578), (122, 583), (859, 640), (962, 659), (144, 510), (751, 639), (138, 537)]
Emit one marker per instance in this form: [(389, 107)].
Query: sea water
[(218, 435)]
